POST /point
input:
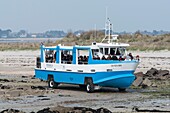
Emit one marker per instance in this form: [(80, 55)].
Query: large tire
[(89, 86), (52, 83)]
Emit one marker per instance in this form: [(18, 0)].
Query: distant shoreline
[(27, 40)]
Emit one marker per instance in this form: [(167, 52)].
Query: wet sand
[(18, 90)]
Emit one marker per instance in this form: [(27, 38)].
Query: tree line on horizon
[(137, 41), (8, 33)]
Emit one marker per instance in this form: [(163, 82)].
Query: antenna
[(106, 22), (107, 29), (109, 37)]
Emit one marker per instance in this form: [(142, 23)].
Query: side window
[(112, 51), (101, 50), (66, 57), (106, 51), (122, 51), (118, 51), (95, 53), (50, 56), (83, 56)]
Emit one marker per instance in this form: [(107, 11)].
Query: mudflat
[(20, 90)]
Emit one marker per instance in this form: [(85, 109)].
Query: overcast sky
[(125, 15)]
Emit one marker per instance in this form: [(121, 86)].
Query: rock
[(76, 111), (139, 74), (38, 87), (162, 73), (46, 110), (23, 81), (137, 109), (103, 110), (11, 111), (24, 76), (161, 78), (152, 72), (84, 109), (61, 109), (5, 87), (154, 85), (146, 83), (168, 76), (4, 80), (138, 81)]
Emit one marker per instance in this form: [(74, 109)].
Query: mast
[(109, 37), (108, 31)]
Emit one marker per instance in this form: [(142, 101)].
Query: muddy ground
[(19, 90)]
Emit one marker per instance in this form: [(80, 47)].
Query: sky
[(125, 15)]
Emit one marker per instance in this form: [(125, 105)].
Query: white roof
[(112, 44)]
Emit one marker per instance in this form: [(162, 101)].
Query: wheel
[(122, 89), (90, 86), (52, 83)]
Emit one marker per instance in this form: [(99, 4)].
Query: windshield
[(112, 51), (120, 51)]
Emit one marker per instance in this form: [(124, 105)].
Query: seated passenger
[(137, 57), (80, 60), (103, 58), (85, 58), (98, 58), (121, 58), (114, 57), (131, 57), (109, 57)]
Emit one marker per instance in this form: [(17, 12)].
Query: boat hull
[(116, 79)]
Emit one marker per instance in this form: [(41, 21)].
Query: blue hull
[(116, 79)]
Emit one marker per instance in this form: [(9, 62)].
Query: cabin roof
[(96, 46), (112, 45)]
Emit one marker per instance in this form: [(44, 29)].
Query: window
[(122, 51), (66, 57), (101, 50), (106, 51), (112, 51), (95, 52), (50, 56), (118, 51), (83, 56)]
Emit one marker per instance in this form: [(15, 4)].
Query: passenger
[(109, 57), (114, 57), (80, 60), (94, 57), (131, 57), (121, 58), (137, 57), (98, 58), (81, 57), (103, 58), (85, 58), (47, 58)]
